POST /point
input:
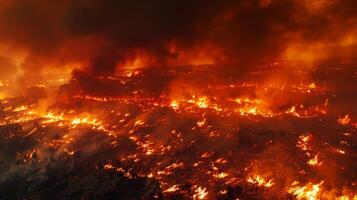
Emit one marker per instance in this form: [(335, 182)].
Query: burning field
[(219, 140), (171, 100)]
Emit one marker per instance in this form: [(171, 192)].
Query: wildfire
[(200, 193), (108, 166), (312, 86), (85, 120), (339, 151), (244, 107), (20, 108), (314, 161), (201, 123), (248, 101), (201, 102), (260, 181), (221, 175), (308, 192), (171, 189), (303, 142), (52, 117), (188, 141), (174, 104), (346, 197), (175, 99), (344, 120)]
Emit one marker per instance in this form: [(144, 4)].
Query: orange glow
[(134, 60), (201, 54)]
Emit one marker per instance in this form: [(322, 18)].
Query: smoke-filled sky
[(103, 35)]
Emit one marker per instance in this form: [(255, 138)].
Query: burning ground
[(182, 133)]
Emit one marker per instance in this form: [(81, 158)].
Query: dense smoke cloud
[(102, 34)]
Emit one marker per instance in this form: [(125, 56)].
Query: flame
[(308, 192), (108, 166), (201, 123), (20, 108), (174, 104), (314, 161), (202, 102), (346, 197), (220, 175), (312, 86), (344, 120), (52, 117), (171, 189), (304, 141), (340, 151), (260, 181), (246, 106), (200, 193), (85, 120)]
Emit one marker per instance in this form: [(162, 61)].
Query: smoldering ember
[(172, 99)]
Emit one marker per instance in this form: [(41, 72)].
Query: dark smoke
[(245, 31)]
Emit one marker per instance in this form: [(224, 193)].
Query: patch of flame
[(309, 191), (303, 142), (314, 161), (200, 193), (171, 189), (260, 181), (220, 175), (344, 120)]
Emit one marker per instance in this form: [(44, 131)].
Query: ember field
[(190, 132)]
